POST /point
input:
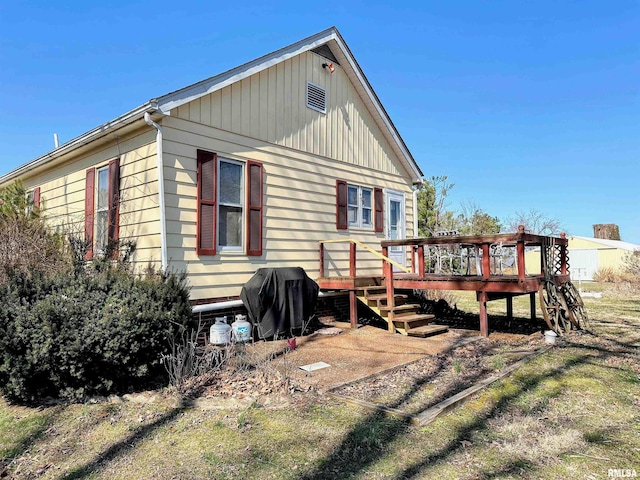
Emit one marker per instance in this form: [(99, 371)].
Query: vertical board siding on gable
[(271, 106), (298, 210)]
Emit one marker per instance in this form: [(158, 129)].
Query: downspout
[(161, 203)]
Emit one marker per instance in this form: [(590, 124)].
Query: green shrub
[(87, 331)]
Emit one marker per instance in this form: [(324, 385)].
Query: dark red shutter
[(341, 205), (88, 212), (206, 216), (254, 208), (378, 200), (36, 198), (113, 231)]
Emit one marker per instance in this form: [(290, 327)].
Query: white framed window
[(231, 198), (28, 210), (359, 206), (102, 209)]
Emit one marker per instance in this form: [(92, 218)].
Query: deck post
[(353, 309), (509, 308), (563, 254), (484, 318), (321, 273), (421, 271), (532, 304), (352, 260), (486, 265), (520, 260), (388, 280), (385, 252)]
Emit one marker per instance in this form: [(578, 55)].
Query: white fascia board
[(185, 95), (81, 140), (380, 110)]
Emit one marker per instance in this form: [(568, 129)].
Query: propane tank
[(241, 329), (220, 332)]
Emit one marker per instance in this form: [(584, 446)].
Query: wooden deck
[(474, 258)]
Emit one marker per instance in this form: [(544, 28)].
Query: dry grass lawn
[(570, 413)]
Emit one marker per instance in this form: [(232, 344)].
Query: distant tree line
[(435, 216)]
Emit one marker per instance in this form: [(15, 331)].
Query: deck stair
[(406, 319)]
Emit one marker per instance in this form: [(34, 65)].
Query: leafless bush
[(26, 243), (606, 275), (187, 360), (632, 265), (28, 246)]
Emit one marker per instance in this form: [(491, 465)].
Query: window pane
[(353, 196), (230, 224), (230, 183), (394, 219), (101, 230), (103, 189), (353, 215), (366, 198), (366, 217)]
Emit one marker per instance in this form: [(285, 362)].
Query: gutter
[(161, 202), (104, 129)]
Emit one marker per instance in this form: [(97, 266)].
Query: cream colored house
[(588, 255), (246, 169)]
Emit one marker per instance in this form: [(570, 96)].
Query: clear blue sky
[(524, 105)]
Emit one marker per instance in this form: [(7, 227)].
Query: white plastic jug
[(220, 332)]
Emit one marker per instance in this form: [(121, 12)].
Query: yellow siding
[(612, 258), (299, 208), (62, 191), (608, 257), (583, 243), (271, 106)]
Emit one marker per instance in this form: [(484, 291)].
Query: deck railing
[(353, 243), (484, 256)]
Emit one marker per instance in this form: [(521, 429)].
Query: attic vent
[(316, 98)]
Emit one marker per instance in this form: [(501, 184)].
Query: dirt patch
[(414, 387), (366, 363)]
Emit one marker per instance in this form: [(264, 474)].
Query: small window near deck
[(352, 203), (316, 98), (366, 207), (360, 206)]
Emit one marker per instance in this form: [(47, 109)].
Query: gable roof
[(330, 38), (611, 243)]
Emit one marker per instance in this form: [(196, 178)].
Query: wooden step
[(381, 299), (413, 320), (374, 290), (383, 296), (427, 330), (399, 309), (404, 323)]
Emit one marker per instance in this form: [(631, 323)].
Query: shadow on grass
[(25, 443), (369, 440), (124, 446)]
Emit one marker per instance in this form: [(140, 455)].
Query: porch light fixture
[(329, 66)]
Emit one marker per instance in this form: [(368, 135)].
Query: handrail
[(369, 249)]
